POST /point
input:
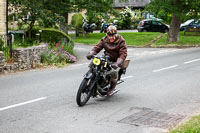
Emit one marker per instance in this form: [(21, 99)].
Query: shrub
[(126, 18), (52, 36)]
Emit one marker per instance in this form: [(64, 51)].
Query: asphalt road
[(43, 101)]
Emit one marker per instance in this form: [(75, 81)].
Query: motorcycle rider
[(115, 47)]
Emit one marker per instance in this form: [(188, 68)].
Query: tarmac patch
[(152, 118)]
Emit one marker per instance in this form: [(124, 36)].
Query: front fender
[(88, 75)]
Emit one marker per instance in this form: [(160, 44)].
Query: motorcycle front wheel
[(83, 94)]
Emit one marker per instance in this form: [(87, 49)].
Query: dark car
[(190, 23), (149, 25)]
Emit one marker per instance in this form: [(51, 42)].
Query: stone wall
[(2, 61), (23, 59)]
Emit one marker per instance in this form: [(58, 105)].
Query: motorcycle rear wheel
[(83, 94)]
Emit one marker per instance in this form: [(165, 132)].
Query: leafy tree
[(61, 9), (97, 8), (176, 10), (48, 13), (77, 22), (27, 11)]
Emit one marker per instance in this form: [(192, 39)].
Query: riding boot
[(112, 86)]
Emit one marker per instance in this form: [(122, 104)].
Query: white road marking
[(20, 104), (81, 64), (130, 56), (127, 77), (80, 48), (191, 61), (165, 68), (77, 65)]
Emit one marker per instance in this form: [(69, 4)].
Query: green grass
[(92, 38), (132, 39), (189, 39), (191, 126)]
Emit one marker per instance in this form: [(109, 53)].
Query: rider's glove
[(89, 56), (115, 65)]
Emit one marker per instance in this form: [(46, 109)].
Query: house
[(134, 4), (3, 17)]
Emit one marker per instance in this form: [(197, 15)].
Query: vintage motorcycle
[(88, 27), (97, 80), (104, 25)]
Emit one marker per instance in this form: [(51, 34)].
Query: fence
[(6, 45)]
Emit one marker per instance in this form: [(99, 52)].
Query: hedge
[(51, 35)]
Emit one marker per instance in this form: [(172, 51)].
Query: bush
[(126, 18), (1, 43), (28, 42), (53, 36)]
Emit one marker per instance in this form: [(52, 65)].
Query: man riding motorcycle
[(115, 47)]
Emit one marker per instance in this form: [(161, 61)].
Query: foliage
[(184, 9), (27, 12), (28, 42), (175, 10), (191, 126), (43, 12), (126, 18), (52, 36), (1, 43), (77, 20), (97, 10), (49, 13), (130, 18), (59, 55)]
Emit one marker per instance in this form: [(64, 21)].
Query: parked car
[(190, 23), (150, 25)]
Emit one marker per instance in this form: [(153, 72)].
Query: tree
[(178, 10), (48, 13), (77, 22), (95, 8), (62, 8), (26, 11)]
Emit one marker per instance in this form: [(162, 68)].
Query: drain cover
[(153, 119)]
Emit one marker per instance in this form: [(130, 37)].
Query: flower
[(57, 44)]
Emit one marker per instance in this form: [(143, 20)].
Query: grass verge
[(187, 40), (132, 39), (191, 126), (141, 39)]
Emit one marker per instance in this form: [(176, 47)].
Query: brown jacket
[(115, 50)]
